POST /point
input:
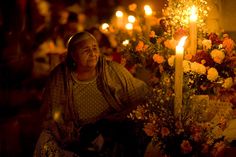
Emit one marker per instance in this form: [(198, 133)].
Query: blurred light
[(125, 42), (131, 19), (193, 13), (56, 115), (105, 26), (119, 13), (129, 26), (148, 10)]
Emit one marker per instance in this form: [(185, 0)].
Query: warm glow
[(119, 13), (129, 26), (131, 19), (180, 46), (148, 10), (193, 13), (125, 42), (56, 115), (105, 26)]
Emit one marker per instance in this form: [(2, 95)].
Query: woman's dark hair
[(71, 45)]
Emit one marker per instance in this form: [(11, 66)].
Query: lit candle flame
[(193, 13), (148, 10), (180, 45)]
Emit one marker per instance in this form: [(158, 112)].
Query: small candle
[(193, 30), (120, 20), (179, 76), (148, 19)]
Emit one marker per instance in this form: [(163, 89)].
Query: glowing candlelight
[(131, 19), (120, 21), (125, 42), (148, 10), (119, 14), (193, 30), (148, 17), (105, 27), (129, 26), (179, 76)]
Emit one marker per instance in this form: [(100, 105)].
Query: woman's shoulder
[(59, 68), (116, 66)]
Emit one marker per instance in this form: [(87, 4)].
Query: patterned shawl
[(119, 88)]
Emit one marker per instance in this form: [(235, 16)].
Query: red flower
[(215, 40), (202, 56)]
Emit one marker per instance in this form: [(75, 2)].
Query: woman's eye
[(85, 51)]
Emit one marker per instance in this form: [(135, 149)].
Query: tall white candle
[(193, 30), (179, 76)]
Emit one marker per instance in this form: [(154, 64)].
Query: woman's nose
[(92, 52)]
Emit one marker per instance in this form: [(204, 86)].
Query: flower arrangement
[(197, 133), (208, 72), (211, 71)]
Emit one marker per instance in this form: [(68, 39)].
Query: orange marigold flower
[(157, 58), (140, 46), (228, 44), (217, 60)]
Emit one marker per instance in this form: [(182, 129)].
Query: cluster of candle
[(128, 21)]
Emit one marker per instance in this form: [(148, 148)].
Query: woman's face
[(86, 54)]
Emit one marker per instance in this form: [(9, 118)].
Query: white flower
[(220, 46), (198, 68), (217, 55), (206, 44), (186, 66), (228, 82), (171, 60), (212, 74)]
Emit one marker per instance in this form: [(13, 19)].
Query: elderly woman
[(80, 92)]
